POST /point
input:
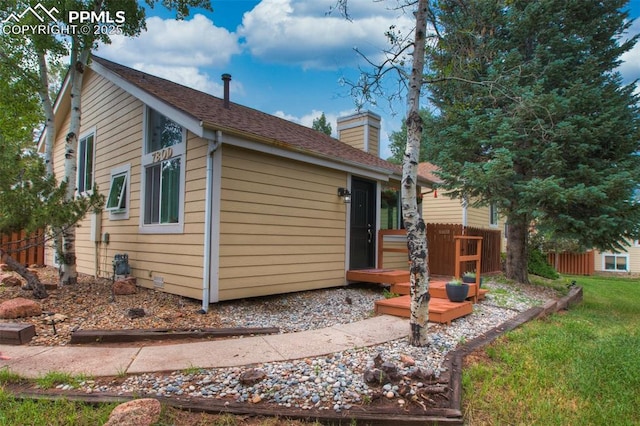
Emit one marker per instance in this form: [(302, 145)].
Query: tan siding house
[(623, 262), (438, 207), (215, 201)]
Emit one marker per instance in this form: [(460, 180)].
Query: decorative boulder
[(139, 412), (125, 286), (252, 376), (19, 308), (134, 313), (10, 281)]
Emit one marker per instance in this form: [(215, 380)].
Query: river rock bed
[(335, 381)]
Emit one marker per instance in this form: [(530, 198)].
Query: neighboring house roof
[(210, 111), (427, 171)]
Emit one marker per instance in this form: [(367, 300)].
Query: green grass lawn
[(580, 367)]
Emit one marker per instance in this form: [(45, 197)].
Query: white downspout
[(465, 204), (206, 275)]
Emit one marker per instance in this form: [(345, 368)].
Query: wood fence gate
[(25, 249)]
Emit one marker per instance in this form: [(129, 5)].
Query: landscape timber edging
[(443, 416), (454, 360)]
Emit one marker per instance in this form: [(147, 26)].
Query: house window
[(493, 215), (162, 132), (118, 199), (162, 196), (163, 175), (390, 209), (615, 262), (86, 148)]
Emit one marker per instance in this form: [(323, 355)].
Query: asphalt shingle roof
[(250, 122)]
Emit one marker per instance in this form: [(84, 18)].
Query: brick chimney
[(361, 130)]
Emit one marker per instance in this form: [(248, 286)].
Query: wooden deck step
[(381, 276), (437, 290), (440, 310), (405, 288), (482, 293)]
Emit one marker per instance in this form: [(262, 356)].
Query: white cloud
[(178, 50), (295, 32), (630, 67), (194, 42)]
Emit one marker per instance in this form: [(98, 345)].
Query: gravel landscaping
[(332, 382)]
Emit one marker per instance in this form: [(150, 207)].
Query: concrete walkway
[(36, 361)]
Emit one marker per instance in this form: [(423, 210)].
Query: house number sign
[(162, 155)]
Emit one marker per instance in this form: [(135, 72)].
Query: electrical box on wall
[(96, 227), (158, 282)]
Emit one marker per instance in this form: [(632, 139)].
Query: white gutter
[(206, 273), (465, 203)]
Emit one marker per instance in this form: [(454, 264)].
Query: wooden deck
[(380, 276), (437, 290), (440, 308)]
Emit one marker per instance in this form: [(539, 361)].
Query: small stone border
[(370, 416)]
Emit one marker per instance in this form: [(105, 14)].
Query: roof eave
[(373, 171)]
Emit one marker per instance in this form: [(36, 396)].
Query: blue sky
[(286, 57)]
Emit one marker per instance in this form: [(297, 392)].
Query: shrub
[(537, 265)]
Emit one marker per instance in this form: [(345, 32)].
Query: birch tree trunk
[(50, 135), (47, 106), (68, 272), (413, 223)]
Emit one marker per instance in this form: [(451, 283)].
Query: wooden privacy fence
[(442, 248), (25, 249), (573, 263)]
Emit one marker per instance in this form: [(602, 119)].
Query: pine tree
[(320, 124), (535, 118), (30, 199)]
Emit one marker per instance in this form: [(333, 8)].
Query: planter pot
[(469, 280), (457, 293)]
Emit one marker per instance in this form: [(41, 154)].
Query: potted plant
[(457, 291), (470, 278)]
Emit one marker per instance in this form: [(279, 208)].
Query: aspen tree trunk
[(416, 229), (45, 98), (50, 135), (68, 272)]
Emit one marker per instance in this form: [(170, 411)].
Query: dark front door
[(363, 224)]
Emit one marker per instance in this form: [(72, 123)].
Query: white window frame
[(82, 139), (120, 213), (494, 217), (616, 256), (150, 159)]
